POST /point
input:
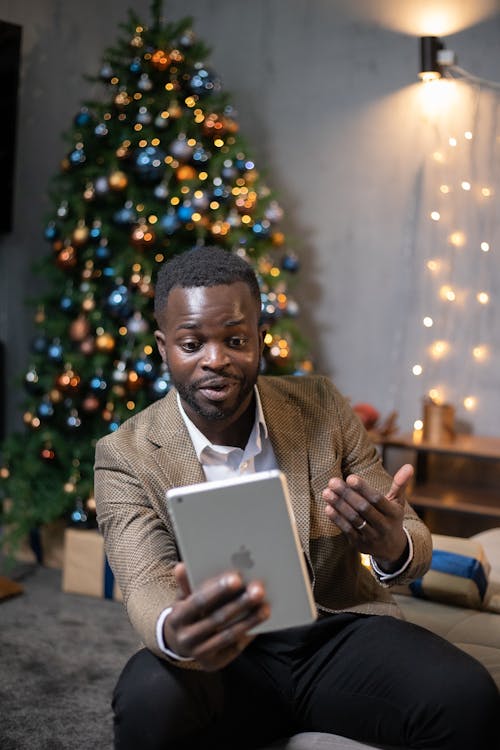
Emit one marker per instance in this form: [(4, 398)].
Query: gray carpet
[(60, 656)]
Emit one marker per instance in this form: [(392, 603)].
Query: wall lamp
[(433, 57)]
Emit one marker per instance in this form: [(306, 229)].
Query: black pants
[(375, 679)]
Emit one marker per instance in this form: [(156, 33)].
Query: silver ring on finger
[(360, 528)]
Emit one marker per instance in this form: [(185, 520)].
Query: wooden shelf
[(445, 497), (456, 485), (463, 445)]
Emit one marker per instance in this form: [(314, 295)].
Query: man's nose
[(215, 356)]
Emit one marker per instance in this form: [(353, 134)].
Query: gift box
[(44, 545), (85, 568)]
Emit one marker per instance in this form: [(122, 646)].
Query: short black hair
[(203, 266)]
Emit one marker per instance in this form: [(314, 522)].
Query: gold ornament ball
[(105, 342), (186, 172), (80, 235), (278, 239), (118, 180), (88, 304)]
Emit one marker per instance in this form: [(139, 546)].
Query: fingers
[(399, 482), (371, 521), (357, 509), (352, 504), (181, 577), (212, 623)]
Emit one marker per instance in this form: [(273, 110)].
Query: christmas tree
[(155, 164)]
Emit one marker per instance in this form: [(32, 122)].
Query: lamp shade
[(430, 68)]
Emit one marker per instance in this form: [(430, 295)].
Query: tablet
[(246, 523)]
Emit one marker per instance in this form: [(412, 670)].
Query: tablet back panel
[(246, 523)]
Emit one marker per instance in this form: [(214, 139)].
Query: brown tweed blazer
[(315, 435)]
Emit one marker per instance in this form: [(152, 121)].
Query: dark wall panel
[(10, 51)]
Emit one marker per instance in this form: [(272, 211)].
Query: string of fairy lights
[(458, 248)]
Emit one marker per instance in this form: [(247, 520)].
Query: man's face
[(211, 341)]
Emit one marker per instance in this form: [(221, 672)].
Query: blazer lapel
[(174, 454), (287, 433)]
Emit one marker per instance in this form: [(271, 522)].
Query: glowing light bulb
[(457, 239), (485, 246), (439, 349), (447, 293), (445, 189), (438, 156), (465, 185), (435, 396), (486, 192), (418, 424), (452, 142), (433, 265), (470, 402), (468, 135), (428, 322), (480, 352), (483, 298), (417, 369), (435, 215)]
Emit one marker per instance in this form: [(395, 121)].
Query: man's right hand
[(211, 623)]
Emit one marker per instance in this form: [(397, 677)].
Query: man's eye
[(190, 346), (237, 341)]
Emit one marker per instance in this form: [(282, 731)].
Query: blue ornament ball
[(45, 409), (55, 351), (170, 222), (101, 130), (102, 252), (161, 385), (51, 232), (149, 164), (203, 81), (180, 148), (290, 263), (125, 216), (185, 211), (97, 384), (106, 72), (145, 368), (82, 118), (39, 344), (135, 65), (66, 303), (77, 157)]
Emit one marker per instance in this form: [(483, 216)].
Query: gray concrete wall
[(327, 96)]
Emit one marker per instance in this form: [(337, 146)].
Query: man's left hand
[(372, 522)]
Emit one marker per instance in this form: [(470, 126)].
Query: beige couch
[(476, 631)]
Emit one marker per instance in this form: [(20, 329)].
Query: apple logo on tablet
[(242, 559)]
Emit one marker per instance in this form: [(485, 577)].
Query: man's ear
[(262, 336), (160, 343)]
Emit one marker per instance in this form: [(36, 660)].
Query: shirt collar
[(201, 442)]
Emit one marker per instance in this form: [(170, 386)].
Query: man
[(202, 681)]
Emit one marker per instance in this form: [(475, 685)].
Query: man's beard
[(214, 411)]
